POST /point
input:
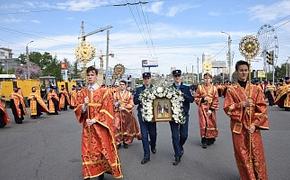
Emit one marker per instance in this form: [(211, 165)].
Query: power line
[(146, 20), (144, 39), (29, 34)]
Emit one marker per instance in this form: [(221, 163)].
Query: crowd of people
[(108, 120)]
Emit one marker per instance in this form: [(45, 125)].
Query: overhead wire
[(142, 35)]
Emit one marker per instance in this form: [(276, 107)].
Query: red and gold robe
[(283, 96), (248, 148), (35, 100), (5, 117), (52, 106), (125, 123), (18, 99), (207, 122), (73, 99), (99, 152), (63, 99)]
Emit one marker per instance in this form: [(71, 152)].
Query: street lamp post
[(28, 62), (229, 55), (287, 67)]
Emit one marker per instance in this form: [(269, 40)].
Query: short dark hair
[(241, 62), (92, 68), (207, 74), (123, 81)]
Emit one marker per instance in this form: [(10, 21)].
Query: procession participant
[(52, 100), (269, 92), (245, 105), (63, 99), (147, 128), (283, 95), (179, 132), (287, 100), (206, 98), (17, 105), (95, 112), (73, 96), (125, 122), (37, 105), (4, 118)]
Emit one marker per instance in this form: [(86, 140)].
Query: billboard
[(149, 63), (219, 64)]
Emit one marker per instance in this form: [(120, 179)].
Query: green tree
[(52, 69), (49, 65)]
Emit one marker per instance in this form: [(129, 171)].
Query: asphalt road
[(49, 149)]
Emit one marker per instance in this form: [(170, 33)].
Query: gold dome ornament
[(85, 52), (249, 46), (207, 66), (119, 70)]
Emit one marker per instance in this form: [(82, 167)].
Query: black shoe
[(144, 161), (125, 146), (204, 145), (118, 146), (101, 177), (153, 150), (210, 141), (176, 161)]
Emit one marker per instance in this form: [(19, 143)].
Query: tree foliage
[(47, 64)]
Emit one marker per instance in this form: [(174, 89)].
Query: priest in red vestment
[(206, 98), (95, 111), (4, 118), (245, 105), (125, 123)]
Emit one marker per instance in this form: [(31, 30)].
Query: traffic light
[(270, 57)]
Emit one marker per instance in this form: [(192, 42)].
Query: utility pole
[(287, 74), (107, 58), (198, 70), (229, 55), (28, 61)]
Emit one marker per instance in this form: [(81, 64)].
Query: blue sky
[(173, 32)]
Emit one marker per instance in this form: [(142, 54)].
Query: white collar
[(93, 86)]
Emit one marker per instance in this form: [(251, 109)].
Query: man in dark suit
[(147, 128), (180, 131)]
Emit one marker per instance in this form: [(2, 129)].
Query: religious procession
[(99, 104)]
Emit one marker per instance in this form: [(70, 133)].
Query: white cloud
[(11, 20), (213, 13), (83, 5), (160, 9), (156, 7), (35, 21), (174, 10), (267, 13)]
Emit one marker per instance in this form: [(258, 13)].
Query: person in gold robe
[(64, 100), (95, 111), (17, 105), (270, 92), (4, 118), (283, 95), (37, 105), (73, 96), (53, 101), (245, 105), (125, 122), (206, 98)]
